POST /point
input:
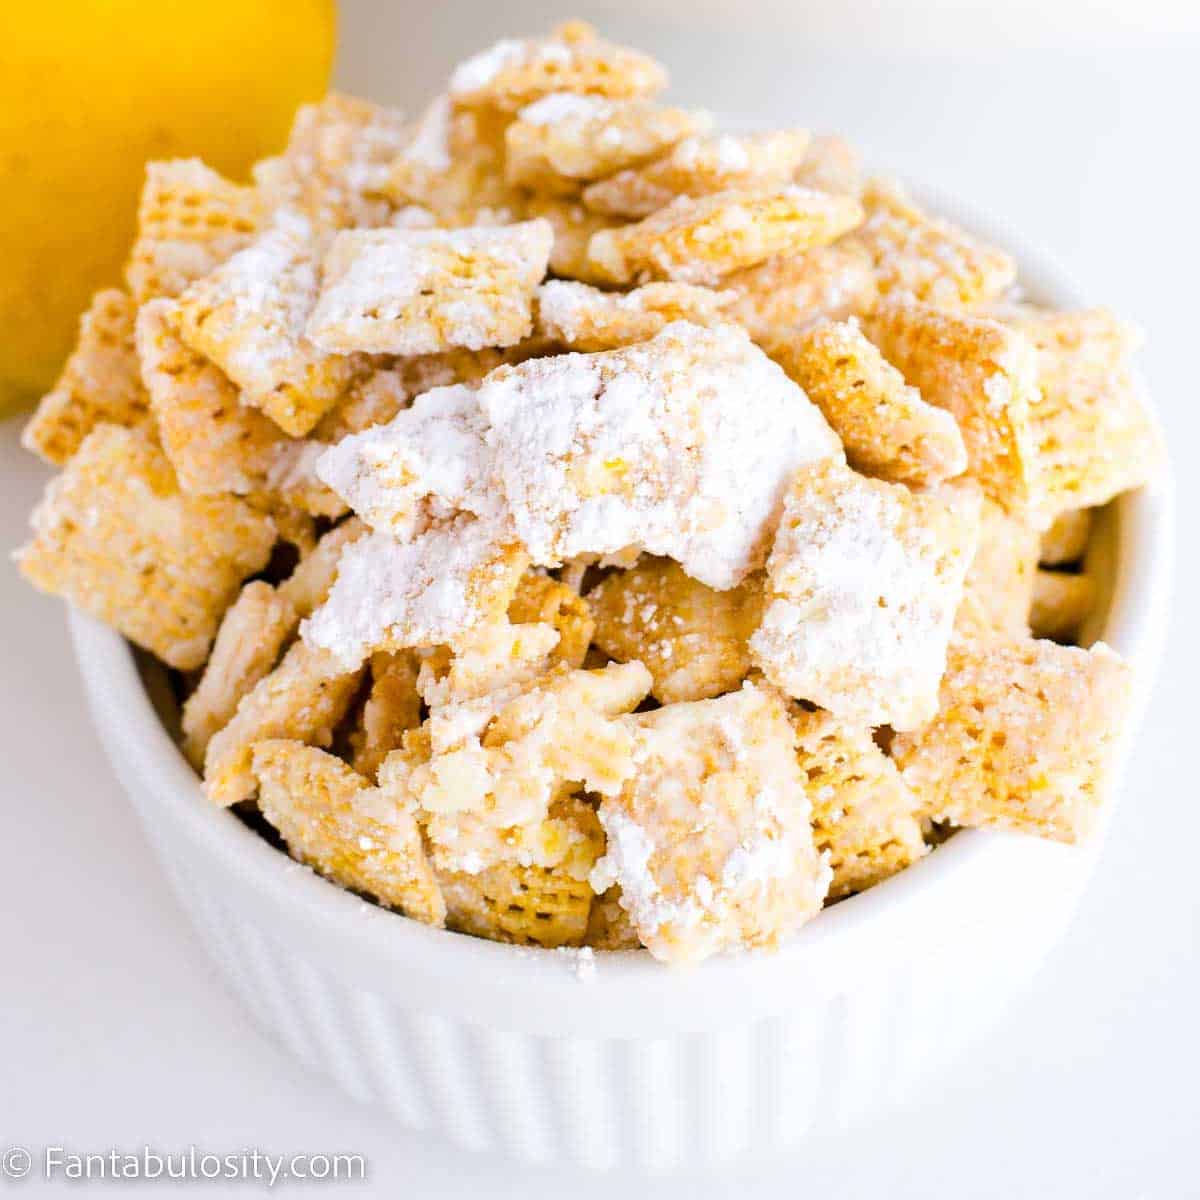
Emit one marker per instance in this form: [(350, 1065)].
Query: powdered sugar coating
[(430, 589), (682, 446), (863, 584), (431, 460), (418, 291)]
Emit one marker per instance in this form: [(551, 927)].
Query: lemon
[(91, 89)]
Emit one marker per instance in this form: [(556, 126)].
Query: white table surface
[(115, 1031)]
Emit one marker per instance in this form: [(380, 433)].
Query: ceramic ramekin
[(632, 1063)]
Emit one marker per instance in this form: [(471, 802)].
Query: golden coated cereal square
[(565, 139), (1023, 738), (429, 590), (831, 165), (710, 839), (701, 240), (248, 317), (1066, 541), (99, 383), (303, 699), (864, 815), (985, 375), (215, 443), (333, 820), (887, 429), (190, 220), (392, 707), (652, 446), (1093, 436), (924, 257), (573, 227), (693, 640), (862, 586), (579, 317), (399, 291), (778, 299), (514, 72), (251, 638), (114, 535), (999, 585), (697, 166)]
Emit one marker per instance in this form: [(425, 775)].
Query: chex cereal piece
[(333, 820), (248, 317), (302, 699), (999, 585), (862, 586), (863, 813), (190, 220), (1066, 540), (392, 707), (652, 446), (573, 227), (1092, 433), (335, 166), (252, 635), (1061, 602), (216, 443), (609, 926), (433, 588), (580, 317), (830, 165), (779, 298), (309, 583), (564, 139), (1023, 737), (514, 73), (692, 639), (700, 240), (698, 165), (542, 600), (497, 657), (925, 257), (114, 535), (452, 168), (887, 429), (430, 461), (99, 383), (400, 291), (985, 375), (525, 905), (709, 840)]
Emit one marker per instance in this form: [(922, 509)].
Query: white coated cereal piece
[(863, 584), (564, 138), (681, 446), (249, 318), (709, 839), (403, 291), (431, 460), (585, 318), (433, 588)]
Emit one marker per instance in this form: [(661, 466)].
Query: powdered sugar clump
[(565, 106), (682, 446)]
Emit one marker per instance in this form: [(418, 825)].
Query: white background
[(1074, 124)]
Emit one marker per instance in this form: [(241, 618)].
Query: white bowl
[(632, 1064)]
